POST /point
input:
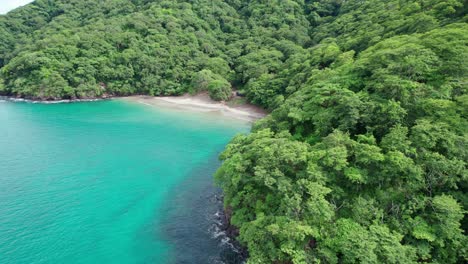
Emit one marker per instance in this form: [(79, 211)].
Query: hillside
[(363, 158)]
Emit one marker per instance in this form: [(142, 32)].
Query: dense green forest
[(363, 158)]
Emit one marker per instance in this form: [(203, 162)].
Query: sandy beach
[(202, 103)]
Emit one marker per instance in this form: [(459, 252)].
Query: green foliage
[(201, 80), (382, 128), (220, 90), (126, 47), (363, 158)]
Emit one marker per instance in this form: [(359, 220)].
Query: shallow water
[(110, 182)]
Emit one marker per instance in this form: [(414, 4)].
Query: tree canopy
[(363, 158)]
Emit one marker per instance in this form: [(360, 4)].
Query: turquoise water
[(109, 182)]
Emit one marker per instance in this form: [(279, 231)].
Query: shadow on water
[(194, 225)]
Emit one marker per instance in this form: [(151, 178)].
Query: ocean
[(111, 182)]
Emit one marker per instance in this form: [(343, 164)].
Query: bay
[(110, 182)]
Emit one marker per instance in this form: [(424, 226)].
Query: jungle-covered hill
[(363, 158)]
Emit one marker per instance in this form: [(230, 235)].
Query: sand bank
[(202, 103)]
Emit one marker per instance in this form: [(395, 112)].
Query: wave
[(22, 100), (217, 231)]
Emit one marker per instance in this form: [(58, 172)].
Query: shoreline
[(201, 103), (62, 101)]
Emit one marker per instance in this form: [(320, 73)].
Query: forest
[(363, 157)]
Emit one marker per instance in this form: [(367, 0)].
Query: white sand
[(202, 103)]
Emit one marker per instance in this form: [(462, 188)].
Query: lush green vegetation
[(364, 156)]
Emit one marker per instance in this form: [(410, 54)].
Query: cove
[(110, 182)]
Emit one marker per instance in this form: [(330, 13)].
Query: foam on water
[(20, 100)]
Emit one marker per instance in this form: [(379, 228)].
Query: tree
[(220, 90), (363, 157)]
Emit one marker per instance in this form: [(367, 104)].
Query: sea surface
[(111, 182)]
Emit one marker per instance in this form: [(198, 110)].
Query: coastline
[(201, 103), (62, 101), (196, 103), (166, 197)]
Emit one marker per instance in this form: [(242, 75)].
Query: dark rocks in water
[(195, 221), (232, 232), (42, 98), (52, 100)]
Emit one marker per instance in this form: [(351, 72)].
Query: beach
[(202, 103)]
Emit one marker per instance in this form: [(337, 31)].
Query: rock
[(233, 232)]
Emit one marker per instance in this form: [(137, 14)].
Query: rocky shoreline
[(55, 101), (231, 231)]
